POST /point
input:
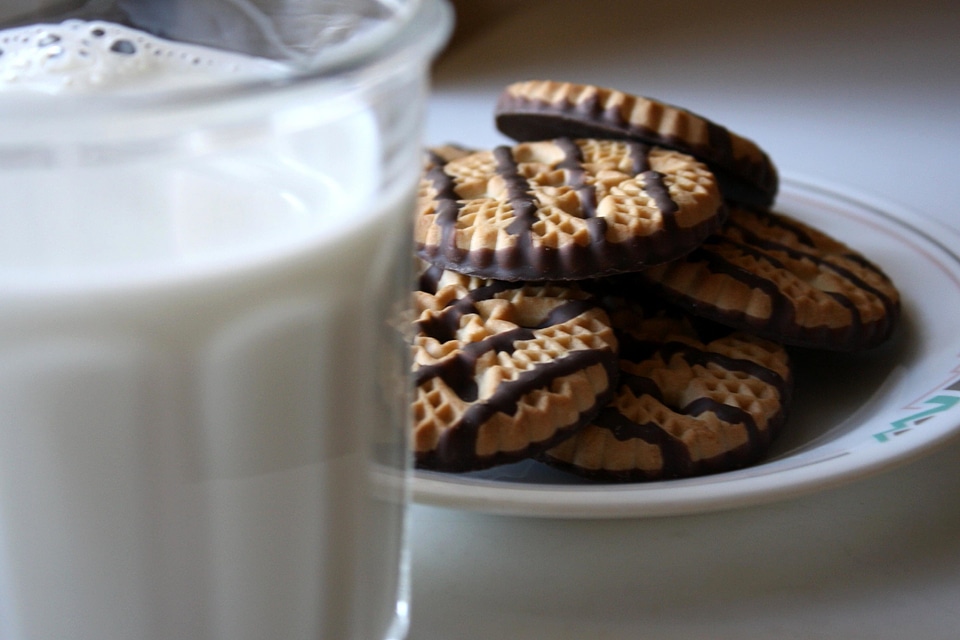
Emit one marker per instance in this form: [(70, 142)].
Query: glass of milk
[(203, 282)]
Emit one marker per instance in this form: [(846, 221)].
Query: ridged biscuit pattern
[(686, 404), (503, 371), (544, 109), (782, 279), (564, 209)]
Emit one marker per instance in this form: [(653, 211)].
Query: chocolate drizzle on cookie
[(840, 264), (447, 204), (572, 163), (698, 357), (755, 234), (458, 371), (456, 449), (521, 200), (525, 254), (434, 159), (677, 455)]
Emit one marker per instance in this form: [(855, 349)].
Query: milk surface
[(201, 402)]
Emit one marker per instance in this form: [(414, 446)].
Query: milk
[(202, 397)]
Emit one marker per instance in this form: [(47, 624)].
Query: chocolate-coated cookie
[(504, 370), (779, 278), (539, 110), (689, 402), (564, 209)]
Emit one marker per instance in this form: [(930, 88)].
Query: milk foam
[(81, 56)]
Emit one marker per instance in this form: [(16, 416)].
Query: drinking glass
[(204, 273)]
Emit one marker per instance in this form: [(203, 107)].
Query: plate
[(853, 415)]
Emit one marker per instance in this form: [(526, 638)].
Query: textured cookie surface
[(537, 110), (779, 278), (687, 404), (503, 371), (440, 155), (564, 209)]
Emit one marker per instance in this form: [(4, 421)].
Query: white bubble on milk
[(78, 55)]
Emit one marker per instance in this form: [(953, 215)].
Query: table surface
[(858, 93)]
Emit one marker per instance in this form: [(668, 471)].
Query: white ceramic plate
[(853, 415)]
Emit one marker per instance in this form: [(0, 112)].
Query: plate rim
[(723, 491)]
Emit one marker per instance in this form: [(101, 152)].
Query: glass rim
[(417, 32)]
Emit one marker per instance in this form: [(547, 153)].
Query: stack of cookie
[(613, 296)]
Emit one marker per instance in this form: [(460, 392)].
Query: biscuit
[(784, 280), (504, 370), (441, 155), (564, 209), (689, 402), (539, 110)]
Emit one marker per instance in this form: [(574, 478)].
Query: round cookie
[(504, 370), (539, 110), (781, 279), (564, 209), (689, 402)]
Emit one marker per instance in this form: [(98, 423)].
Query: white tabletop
[(865, 95)]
